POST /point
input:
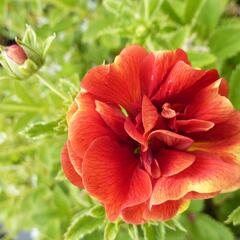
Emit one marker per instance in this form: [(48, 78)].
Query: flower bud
[(16, 53), (27, 56)]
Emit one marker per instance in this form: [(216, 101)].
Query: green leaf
[(61, 202), (204, 228), (201, 59), (191, 7), (40, 129), (81, 226), (225, 41), (111, 231), (234, 217), (210, 14), (235, 87)]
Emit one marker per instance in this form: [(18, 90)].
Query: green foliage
[(34, 194)]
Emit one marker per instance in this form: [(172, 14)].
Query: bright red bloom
[(150, 133)]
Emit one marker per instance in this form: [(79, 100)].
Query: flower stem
[(51, 87)]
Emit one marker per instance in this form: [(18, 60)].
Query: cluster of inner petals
[(150, 133)]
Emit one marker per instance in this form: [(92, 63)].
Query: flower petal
[(171, 139), (119, 82), (193, 125), (113, 117), (209, 173), (172, 162), (165, 211), (86, 125), (149, 114), (134, 215), (209, 105), (132, 131), (69, 170), (111, 174), (181, 80), (156, 66)]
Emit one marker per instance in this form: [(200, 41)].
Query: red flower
[(150, 133), (16, 53)]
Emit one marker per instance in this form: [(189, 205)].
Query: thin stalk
[(51, 87)]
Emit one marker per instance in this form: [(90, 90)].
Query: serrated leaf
[(97, 212), (225, 42), (82, 226), (234, 217), (40, 129), (111, 231)]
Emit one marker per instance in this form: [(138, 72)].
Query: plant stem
[(51, 87)]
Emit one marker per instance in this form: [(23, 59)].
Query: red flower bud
[(16, 53)]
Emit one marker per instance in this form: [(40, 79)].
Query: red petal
[(193, 125), (134, 215), (86, 125), (183, 82), (149, 114), (75, 159), (156, 66), (164, 211), (111, 174), (223, 88), (171, 139), (69, 170), (172, 162), (209, 105), (130, 128), (113, 117), (119, 82), (207, 174)]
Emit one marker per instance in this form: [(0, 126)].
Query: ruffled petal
[(119, 82), (166, 210), (113, 117), (193, 125), (149, 114), (111, 174), (69, 170), (171, 139), (86, 125), (172, 162), (209, 105), (156, 67), (209, 173), (134, 215)]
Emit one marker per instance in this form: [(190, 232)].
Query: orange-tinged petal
[(112, 175), (69, 170), (209, 105), (119, 82), (165, 211), (172, 162), (149, 114), (209, 173), (171, 139)]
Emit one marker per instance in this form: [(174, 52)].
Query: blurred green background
[(36, 202)]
